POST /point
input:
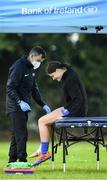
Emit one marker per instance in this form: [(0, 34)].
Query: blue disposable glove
[(24, 106), (64, 111), (46, 108)]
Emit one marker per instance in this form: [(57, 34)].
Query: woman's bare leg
[(45, 122), (45, 128)]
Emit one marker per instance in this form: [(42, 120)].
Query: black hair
[(38, 50), (52, 66)]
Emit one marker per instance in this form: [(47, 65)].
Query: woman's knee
[(41, 121), (44, 120)]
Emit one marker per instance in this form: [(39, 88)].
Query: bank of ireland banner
[(37, 16)]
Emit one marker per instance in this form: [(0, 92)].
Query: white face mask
[(36, 64)]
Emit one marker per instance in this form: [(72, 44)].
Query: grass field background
[(80, 163)]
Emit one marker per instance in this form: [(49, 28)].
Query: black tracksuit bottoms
[(19, 136)]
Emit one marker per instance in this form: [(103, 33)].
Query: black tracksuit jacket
[(74, 94), (21, 85)]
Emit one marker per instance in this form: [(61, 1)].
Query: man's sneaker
[(42, 158), (35, 154)]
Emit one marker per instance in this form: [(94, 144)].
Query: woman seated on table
[(75, 105)]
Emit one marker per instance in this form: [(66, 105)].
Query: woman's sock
[(44, 147)]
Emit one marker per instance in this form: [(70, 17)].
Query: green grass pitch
[(80, 163)]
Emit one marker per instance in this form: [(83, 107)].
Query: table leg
[(53, 146), (64, 161)]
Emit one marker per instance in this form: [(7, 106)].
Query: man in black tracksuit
[(21, 86)]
